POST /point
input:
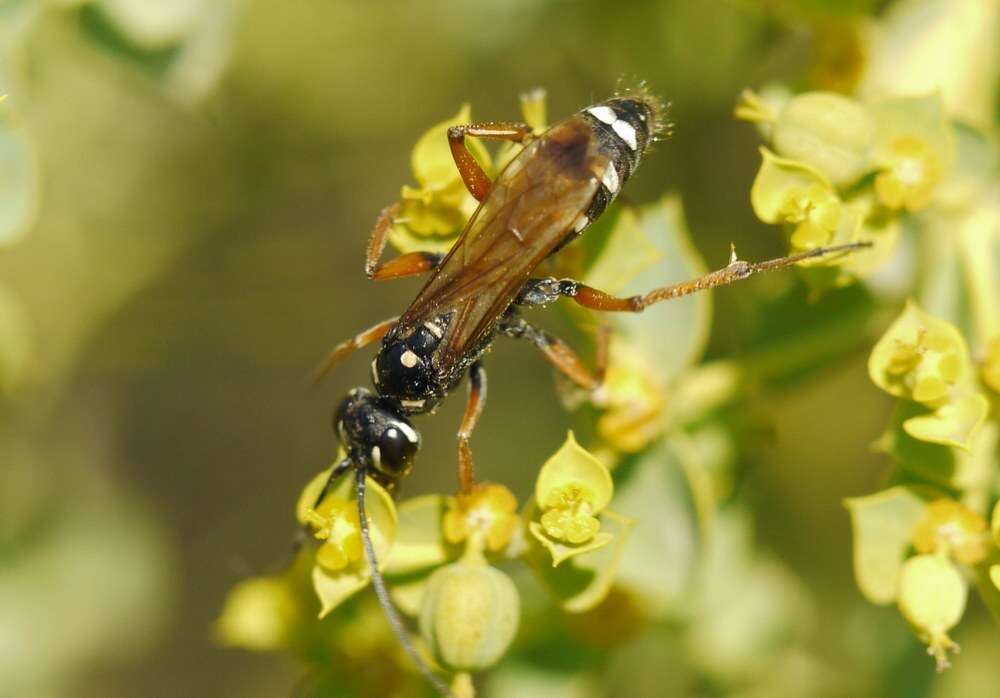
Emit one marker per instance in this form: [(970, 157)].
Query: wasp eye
[(397, 446)]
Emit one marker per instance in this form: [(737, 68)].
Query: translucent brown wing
[(530, 210)]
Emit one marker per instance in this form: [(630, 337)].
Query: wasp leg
[(559, 353), (473, 408), (358, 341), (543, 291), (475, 179), (404, 265)]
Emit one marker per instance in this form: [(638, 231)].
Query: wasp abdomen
[(624, 126)]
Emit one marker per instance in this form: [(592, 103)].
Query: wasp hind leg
[(475, 179), (473, 409), (544, 291)]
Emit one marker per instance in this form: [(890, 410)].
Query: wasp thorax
[(403, 370), (376, 434)]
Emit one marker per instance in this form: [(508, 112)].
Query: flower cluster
[(842, 170)]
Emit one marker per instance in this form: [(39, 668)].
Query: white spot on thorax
[(409, 359), (375, 371), (377, 456), (603, 113), (408, 431), (610, 179), (625, 132), (411, 404), (580, 223), (434, 329)]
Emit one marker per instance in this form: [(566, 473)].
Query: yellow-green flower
[(914, 151), (572, 490), (920, 357), (341, 566), (950, 528), (796, 194), (924, 358), (486, 517), (912, 172)]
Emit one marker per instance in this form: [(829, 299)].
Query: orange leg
[(345, 349), (542, 291), (475, 179), (559, 354), (398, 267), (473, 408)]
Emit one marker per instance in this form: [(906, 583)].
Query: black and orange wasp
[(560, 183)]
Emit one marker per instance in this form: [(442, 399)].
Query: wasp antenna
[(398, 628)]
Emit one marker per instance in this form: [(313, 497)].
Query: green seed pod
[(931, 594), (832, 133), (469, 615)]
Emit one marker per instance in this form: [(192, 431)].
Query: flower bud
[(932, 598), (470, 614), (832, 133)]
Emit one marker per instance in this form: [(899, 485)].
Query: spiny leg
[(358, 341), (541, 291), (475, 179), (378, 583), (559, 353), (408, 264), (473, 408)]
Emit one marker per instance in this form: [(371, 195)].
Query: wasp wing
[(530, 210)]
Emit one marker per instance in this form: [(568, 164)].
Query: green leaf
[(883, 525)]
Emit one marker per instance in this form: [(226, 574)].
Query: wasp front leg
[(475, 179), (409, 264), (358, 341)]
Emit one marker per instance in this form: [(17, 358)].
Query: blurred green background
[(208, 174)]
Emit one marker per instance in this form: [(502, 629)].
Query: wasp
[(552, 191)]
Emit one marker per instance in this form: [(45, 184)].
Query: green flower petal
[(914, 347), (574, 465), (778, 180), (587, 576), (562, 551), (953, 424), (827, 131), (419, 543), (922, 118), (883, 526)]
